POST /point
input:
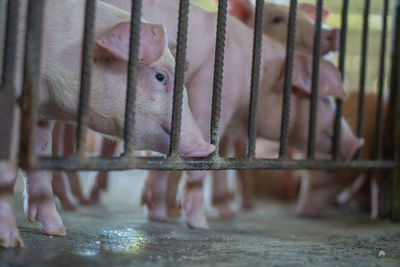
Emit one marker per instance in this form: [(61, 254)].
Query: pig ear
[(115, 42), (310, 10), (242, 9), (329, 80)]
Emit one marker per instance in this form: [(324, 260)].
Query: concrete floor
[(118, 233)]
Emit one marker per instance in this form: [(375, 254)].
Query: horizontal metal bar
[(255, 77), (86, 71), (287, 86), (134, 44), (176, 121), (70, 163)]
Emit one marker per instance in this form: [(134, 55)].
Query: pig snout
[(192, 142), (349, 143), (330, 40)]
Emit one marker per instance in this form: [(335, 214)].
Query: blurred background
[(354, 36)]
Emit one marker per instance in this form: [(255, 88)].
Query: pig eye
[(160, 76), (325, 100), (277, 20)]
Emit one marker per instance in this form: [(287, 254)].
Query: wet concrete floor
[(117, 233)]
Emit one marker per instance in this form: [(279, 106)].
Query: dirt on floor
[(118, 233)]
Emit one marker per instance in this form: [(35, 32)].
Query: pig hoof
[(225, 211), (9, 235), (156, 211), (95, 195), (49, 219), (67, 204), (173, 211), (193, 213), (248, 205)]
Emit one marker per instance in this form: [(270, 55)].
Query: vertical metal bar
[(86, 71), (31, 79), (363, 68), (7, 93), (218, 75), (339, 102), (287, 87), (314, 84), (381, 82), (179, 76), (134, 45), (255, 78)]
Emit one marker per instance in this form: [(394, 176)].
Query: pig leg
[(9, 235), (172, 191), (107, 150), (73, 177), (154, 195), (317, 190), (39, 201), (59, 182), (221, 195), (244, 177), (62, 190), (191, 200)]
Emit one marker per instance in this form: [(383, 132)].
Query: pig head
[(276, 19), (155, 80), (330, 86)]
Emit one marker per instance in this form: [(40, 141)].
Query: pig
[(235, 97), (58, 95), (321, 188), (276, 19), (275, 26)]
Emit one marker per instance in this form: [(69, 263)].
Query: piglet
[(58, 98)]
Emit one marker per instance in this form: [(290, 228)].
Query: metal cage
[(387, 150)]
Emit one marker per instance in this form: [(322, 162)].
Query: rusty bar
[(218, 75), (255, 77), (287, 87), (339, 102), (381, 83), (391, 148), (363, 68), (179, 76), (86, 71), (157, 163), (314, 82), (30, 85), (7, 92), (134, 43)]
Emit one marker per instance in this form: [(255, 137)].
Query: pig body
[(58, 96), (235, 95)]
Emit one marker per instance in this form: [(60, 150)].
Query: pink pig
[(276, 18), (235, 96), (58, 97)]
